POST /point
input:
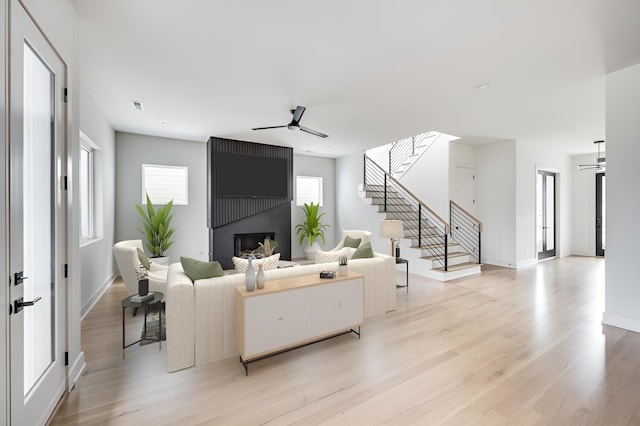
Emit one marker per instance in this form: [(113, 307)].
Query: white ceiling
[(369, 72)]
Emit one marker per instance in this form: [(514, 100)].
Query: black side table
[(156, 300), (400, 260)]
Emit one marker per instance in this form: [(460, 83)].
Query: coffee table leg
[(160, 326)]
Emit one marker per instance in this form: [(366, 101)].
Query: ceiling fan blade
[(270, 127), (297, 114), (313, 132)]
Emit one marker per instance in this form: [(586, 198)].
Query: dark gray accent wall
[(227, 216)]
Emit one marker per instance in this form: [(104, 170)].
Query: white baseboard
[(494, 262), (75, 370), (526, 262), (97, 295), (620, 321)]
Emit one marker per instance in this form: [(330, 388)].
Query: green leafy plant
[(312, 227), (157, 227)]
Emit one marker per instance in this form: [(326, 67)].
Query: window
[(87, 214), (308, 189), (165, 183)]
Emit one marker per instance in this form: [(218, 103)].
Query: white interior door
[(464, 193), (36, 222)]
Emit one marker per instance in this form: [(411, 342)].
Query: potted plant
[(157, 229), (312, 229), (342, 266)]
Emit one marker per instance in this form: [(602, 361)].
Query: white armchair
[(365, 237), (126, 255)]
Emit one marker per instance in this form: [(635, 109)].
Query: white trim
[(91, 302), (75, 370), (621, 321)]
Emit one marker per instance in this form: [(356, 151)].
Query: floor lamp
[(392, 229)]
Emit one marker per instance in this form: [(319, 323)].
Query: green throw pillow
[(351, 242), (198, 270), (144, 260), (363, 252)]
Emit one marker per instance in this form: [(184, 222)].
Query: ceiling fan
[(600, 160), (295, 123)]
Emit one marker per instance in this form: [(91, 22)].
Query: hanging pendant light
[(600, 163)]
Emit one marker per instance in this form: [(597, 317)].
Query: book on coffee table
[(136, 298)]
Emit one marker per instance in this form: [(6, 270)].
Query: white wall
[(496, 205), (583, 203), (132, 150), (622, 292), (97, 263), (304, 165), (533, 155), (59, 22), (352, 210), (428, 179)]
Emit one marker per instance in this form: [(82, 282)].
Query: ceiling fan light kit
[(295, 123)]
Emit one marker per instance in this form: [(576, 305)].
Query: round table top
[(128, 303)]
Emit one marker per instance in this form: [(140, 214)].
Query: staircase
[(405, 152), (450, 251)]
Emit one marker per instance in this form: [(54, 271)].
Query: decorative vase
[(160, 260), (250, 276), (260, 277), (343, 270), (143, 287)]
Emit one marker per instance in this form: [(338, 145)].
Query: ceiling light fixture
[(600, 163), (164, 122), (137, 105), (482, 86)]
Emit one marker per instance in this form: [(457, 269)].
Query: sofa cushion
[(197, 269), (351, 242), (363, 252), (330, 256), (144, 260), (270, 262)]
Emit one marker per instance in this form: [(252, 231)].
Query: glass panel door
[(546, 214), (601, 202), (37, 237)]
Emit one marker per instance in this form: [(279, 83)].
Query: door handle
[(19, 304)]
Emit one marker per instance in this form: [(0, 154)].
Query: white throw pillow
[(270, 262), (330, 256)]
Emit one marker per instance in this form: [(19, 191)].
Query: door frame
[(4, 293)]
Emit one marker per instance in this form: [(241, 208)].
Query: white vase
[(343, 270), (311, 250), (250, 276), (160, 260)]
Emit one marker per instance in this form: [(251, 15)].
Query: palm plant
[(157, 227), (312, 228)]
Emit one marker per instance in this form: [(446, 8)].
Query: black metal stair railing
[(466, 230), (420, 222), (402, 150)]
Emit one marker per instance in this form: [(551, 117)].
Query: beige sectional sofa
[(200, 315)]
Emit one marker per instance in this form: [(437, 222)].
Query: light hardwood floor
[(507, 347)]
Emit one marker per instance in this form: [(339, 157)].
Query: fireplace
[(245, 244)]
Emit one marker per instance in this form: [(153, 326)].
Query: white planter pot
[(311, 250), (160, 260)]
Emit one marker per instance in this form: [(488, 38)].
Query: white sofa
[(126, 254), (200, 326)]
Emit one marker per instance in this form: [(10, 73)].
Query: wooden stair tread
[(456, 254), (459, 267)]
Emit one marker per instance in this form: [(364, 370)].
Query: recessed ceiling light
[(482, 86), (164, 122), (137, 105)]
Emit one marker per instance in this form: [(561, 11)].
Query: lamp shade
[(391, 228)]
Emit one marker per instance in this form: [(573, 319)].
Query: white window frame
[(179, 180), (88, 146), (309, 184)]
